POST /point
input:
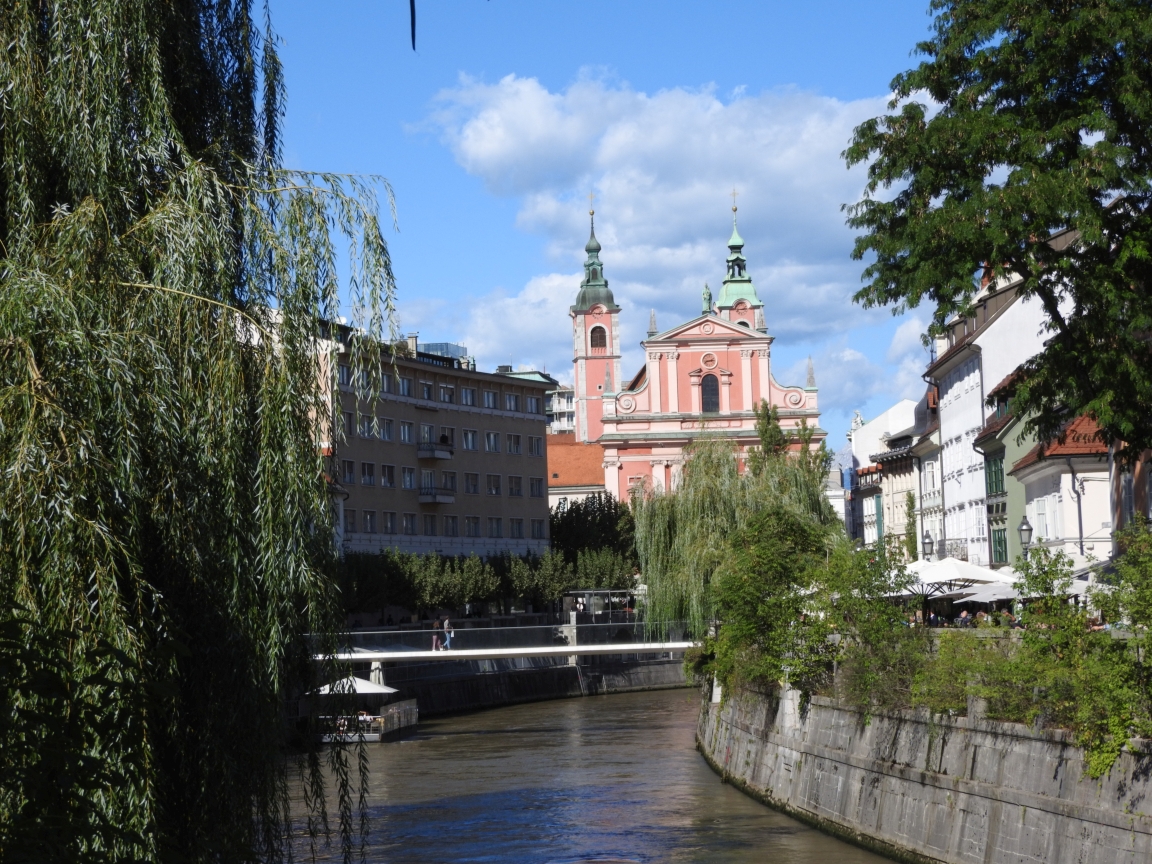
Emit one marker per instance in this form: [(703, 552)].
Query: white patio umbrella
[(352, 684)]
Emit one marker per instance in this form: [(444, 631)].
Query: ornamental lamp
[(1025, 531), (928, 544)]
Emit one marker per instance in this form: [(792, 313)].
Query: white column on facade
[(765, 376), (725, 392), (694, 384), (673, 383), (654, 381), (746, 379)]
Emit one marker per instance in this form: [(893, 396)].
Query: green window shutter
[(880, 517)]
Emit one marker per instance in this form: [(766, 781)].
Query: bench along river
[(607, 778)]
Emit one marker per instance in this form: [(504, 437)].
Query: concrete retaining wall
[(920, 788), (489, 690)]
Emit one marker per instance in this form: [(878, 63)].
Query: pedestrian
[(436, 631), (933, 619), (448, 631)]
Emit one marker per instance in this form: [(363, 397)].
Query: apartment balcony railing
[(437, 495), (434, 450), (930, 500)]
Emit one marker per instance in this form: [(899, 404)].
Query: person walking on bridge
[(436, 635), (448, 631)]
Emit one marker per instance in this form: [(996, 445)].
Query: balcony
[(434, 450), (437, 495)]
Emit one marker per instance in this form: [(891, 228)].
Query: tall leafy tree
[(1023, 144), (166, 398)]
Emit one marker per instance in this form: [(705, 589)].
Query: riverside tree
[(1027, 119), (165, 394)]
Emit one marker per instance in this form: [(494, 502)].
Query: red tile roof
[(571, 463), (1081, 438), (1008, 385)]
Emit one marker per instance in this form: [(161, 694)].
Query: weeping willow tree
[(165, 393), (683, 535)]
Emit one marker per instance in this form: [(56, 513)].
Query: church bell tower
[(595, 343)]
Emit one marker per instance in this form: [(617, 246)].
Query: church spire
[(594, 289), (737, 283), (652, 331)]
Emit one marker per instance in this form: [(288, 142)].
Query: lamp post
[(928, 544), (1025, 531)]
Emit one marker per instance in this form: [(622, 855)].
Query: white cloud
[(662, 166)]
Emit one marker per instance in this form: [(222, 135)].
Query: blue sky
[(510, 111)]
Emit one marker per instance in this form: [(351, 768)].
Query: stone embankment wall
[(489, 690), (921, 788)]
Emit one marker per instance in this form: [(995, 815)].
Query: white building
[(870, 511), (560, 411)]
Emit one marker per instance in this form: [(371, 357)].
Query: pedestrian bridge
[(552, 644)]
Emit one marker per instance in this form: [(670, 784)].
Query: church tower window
[(709, 394), (599, 338)]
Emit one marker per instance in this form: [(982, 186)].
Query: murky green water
[(610, 778)]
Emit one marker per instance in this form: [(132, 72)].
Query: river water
[(607, 778)]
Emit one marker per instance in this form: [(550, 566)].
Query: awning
[(352, 684)]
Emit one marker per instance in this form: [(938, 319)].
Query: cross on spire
[(734, 194), (591, 198)]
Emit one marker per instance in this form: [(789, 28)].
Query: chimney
[(412, 343)]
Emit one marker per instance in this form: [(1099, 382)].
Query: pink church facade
[(704, 377)]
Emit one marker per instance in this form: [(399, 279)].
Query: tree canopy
[(1023, 145), (165, 405)]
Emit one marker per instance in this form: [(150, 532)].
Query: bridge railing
[(510, 637)]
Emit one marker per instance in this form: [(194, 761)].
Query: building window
[(534, 405), (515, 487), (405, 386), (471, 526), (535, 446), (345, 375), (426, 390), (536, 487), (495, 527), (511, 402), (349, 423), (493, 484), (448, 435), (537, 529), (598, 338), (468, 396), (516, 529), (387, 383), (408, 477), (369, 521), (349, 521), (470, 439), (348, 473), (999, 545), (514, 444), (1040, 507), (448, 481), (427, 433), (490, 399), (451, 526), (879, 499), (994, 474), (388, 523), (409, 523), (388, 476), (427, 482), (429, 525), (472, 484), (930, 470), (405, 432), (492, 442), (448, 394), (367, 474), (365, 426), (385, 429), (709, 394)]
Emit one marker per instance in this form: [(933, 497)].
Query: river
[(608, 778)]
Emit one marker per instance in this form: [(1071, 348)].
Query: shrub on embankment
[(778, 593)]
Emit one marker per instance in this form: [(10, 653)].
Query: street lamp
[(1025, 530), (928, 544)]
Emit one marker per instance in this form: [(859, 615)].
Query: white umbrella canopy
[(953, 570), (352, 684)]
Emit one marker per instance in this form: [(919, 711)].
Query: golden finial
[(734, 194), (591, 196)]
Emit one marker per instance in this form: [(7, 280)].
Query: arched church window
[(744, 324), (595, 273), (599, 338), (709, 394)]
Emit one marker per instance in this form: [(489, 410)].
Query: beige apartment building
[(446, 460)]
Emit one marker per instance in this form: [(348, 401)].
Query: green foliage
[(599, 522), (1026, 119), (683, 536), (910, 544), (163, 392)]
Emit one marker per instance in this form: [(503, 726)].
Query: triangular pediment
[(709, 327)]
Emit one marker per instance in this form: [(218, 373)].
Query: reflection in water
[(607, 779)]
